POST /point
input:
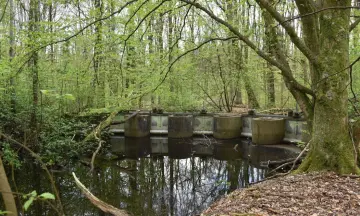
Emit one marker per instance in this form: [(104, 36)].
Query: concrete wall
[(204, 124)]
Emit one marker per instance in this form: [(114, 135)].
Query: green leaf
[(47, 195), (28, 203), (33, 193)]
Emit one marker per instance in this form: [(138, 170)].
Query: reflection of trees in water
[(150, 186)]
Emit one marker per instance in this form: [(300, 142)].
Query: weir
[(263, 129)]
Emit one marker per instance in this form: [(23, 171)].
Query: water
[(156, 176)]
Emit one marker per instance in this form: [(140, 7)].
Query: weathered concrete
[(267, 131), (227, 126), (180, 126), (159, 145), (115, 127), (246, 126), (203, 124), (138, 126), (159, 124)]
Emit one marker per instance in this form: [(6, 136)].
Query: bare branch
[(320, 10), (74, 35), (170, 65), (354, 24), (284, 70), (105, 207), (300, 44), (136, 28)]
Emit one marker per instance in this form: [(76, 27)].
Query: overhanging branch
[(354, 24), (285, 72), (300, 44)]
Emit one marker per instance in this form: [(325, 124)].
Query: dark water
[(156, 176)]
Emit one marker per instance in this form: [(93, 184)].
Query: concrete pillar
[(180, 126), (227, 126), (267, 130), (138, 126)]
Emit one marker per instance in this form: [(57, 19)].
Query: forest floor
[(306, 194)]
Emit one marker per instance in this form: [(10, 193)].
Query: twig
[(288, 172)]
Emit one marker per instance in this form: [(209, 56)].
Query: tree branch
[(300, 44), (76, 34), (354, 24), (170, 65), (105, 207), (320, 10), (284, 71)]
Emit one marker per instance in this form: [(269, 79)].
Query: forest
[(68, 66)]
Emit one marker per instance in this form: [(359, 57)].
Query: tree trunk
[(6, 192), (331, 146), (12, 55), (33, 64)]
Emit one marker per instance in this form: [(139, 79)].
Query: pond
[(156, 176)]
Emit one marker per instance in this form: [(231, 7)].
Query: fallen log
[(105, 207)]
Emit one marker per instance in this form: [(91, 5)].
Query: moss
[(336, 158)]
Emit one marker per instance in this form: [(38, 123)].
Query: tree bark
[(331, 146), (33, 64), (6, 192)]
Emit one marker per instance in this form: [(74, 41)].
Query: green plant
[(33, 196)]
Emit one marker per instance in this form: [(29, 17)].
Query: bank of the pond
[(306, 194)]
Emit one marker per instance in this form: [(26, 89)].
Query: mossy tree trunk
[(331, 146), (326, 45)]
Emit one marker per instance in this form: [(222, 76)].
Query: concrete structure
[(294, 128), (180, 126), (203, 124), (227, 126), (159, 124), (267, 130), (246, 126), (138, 126), (159, 145)]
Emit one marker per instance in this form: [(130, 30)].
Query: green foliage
[(10, 156), (61, 139), (31, 197), (4, 212)]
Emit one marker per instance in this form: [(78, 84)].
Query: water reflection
[(154, 176)]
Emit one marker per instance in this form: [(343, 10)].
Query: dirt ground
[(307, 194)]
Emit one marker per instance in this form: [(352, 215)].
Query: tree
[(325, 44)]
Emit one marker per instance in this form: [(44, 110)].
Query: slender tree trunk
[(33, 64), (252, 100), (99, 97), (6, 192), (12, 55)]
